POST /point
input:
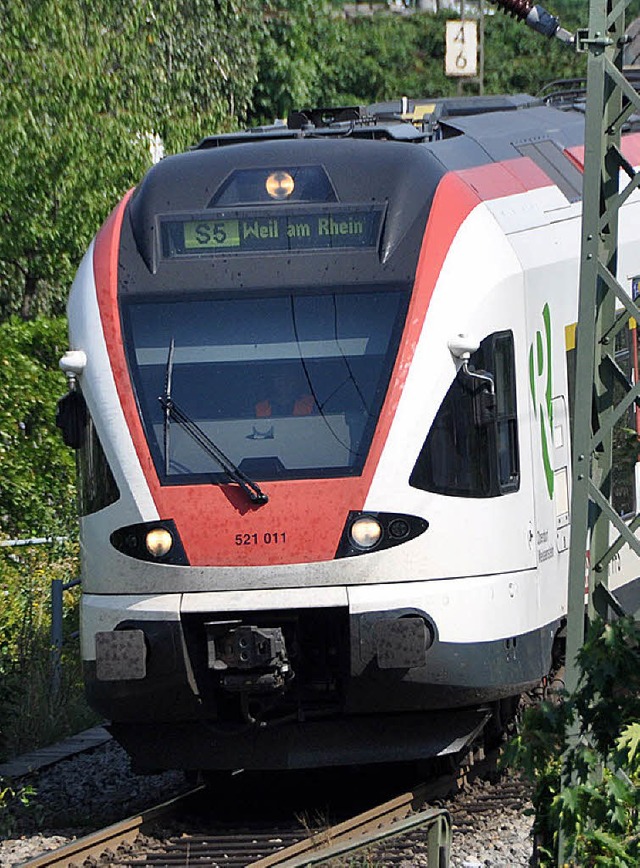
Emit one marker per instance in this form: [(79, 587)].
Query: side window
[(472, 447), (96, 486), (506, 417)]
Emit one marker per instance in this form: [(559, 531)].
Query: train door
[(561, 472)]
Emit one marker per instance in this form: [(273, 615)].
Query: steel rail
[(390, 818), (438, 842), (109, 838)]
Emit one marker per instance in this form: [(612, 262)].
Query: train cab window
[(472, 447), (96, 486), (286, 386)]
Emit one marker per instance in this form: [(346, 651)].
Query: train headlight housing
[(158, 542), (152, 541), (365, 532)]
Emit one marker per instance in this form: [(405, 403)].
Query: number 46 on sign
[(461, 57)]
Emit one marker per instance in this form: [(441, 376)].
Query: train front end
[(249, 316)]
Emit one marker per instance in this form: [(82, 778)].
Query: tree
[(385, 57), (82, 84), (311, 56), (301, 42), (204, 59), (37, 478)]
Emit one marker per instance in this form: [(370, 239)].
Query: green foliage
[(518, 60), (610, 660), (386, 57), (37, 499), (201, 67), (82, 86), (35, 710), (68, 138), (12, 798), (311, 57), (37, 488), (599, 812), (299, 43)]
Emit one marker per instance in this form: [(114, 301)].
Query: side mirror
[(73, 363), (71, 413), (462, 346), (71, 418)]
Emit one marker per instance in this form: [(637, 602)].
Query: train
[(320, 388)]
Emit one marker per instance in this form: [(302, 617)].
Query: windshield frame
[(216, 475)]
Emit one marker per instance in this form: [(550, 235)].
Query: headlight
[(158, 542), (365, 532), (280, 185)]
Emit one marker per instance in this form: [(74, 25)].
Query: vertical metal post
[(58, 587), (481, 50), (439, 842), (56, 634), (462, 18)]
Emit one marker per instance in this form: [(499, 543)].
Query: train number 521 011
[(253, 539)]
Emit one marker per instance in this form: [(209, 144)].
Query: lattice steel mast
[(610, 100), (595, 524), (609, 180)]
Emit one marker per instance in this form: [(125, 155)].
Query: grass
[(34, 712)]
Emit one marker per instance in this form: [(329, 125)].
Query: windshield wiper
[(172, 411)]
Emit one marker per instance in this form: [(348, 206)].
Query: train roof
[(419, 120), (460, 131)]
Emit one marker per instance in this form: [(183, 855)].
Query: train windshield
[(287, 386)]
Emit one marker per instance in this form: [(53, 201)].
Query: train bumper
[(264, 687)]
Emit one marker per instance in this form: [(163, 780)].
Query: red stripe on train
[(630, 150)]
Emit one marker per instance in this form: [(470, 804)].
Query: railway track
[(108, 840), (194, 829), (144, 839), (221, 825)]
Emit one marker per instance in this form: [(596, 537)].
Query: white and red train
[(322, 396)]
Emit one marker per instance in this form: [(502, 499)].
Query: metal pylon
[(595, 524)]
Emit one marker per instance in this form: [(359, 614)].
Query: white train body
[(438, 299)]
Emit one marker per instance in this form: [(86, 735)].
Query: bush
[(35, 708), (599, 812), (37, 499), (37, 494)]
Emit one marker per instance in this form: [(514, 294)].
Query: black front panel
[(333, 212), (263, 292), (306, 678)]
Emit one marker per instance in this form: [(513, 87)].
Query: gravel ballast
[(97, 788)]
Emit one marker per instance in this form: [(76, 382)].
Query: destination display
[(270, 231)]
